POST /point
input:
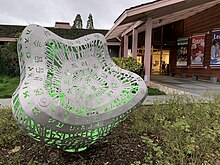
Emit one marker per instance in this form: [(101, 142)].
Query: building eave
[(162, 13)]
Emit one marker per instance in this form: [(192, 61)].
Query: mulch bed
[(121, 146)]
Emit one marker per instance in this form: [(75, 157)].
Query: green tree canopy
[(9, 59), (90, 22), (77, 24)]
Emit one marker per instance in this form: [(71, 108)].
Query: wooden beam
[(113, 43), (116, 24), (118, 31), (8, 39), (135, 25)]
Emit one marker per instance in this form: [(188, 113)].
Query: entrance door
[(160, 61)]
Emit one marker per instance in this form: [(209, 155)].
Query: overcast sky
[(47, 12)]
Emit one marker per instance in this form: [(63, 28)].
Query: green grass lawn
[(8, 86), (179, 132)]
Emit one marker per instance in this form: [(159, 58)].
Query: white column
[(125, 46), (134, 43), (147, 53)]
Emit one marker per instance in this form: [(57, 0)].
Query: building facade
[(172, 37), (204, 23)]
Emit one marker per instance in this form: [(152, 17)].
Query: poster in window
[(182, 51), (197, 50), (215, 51)]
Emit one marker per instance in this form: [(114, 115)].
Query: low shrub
[(129, 64)]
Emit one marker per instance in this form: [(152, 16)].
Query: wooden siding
[(203, 22)]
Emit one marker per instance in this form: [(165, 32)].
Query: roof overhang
[(162, 12), (114, 43), (8, 39)]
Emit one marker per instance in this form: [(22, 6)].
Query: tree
[(77, 24), (9, 64), (9, 59), (90, 22)]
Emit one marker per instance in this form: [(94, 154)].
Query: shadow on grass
[(121, 146), (155, 91)]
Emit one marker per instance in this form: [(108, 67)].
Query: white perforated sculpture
[(70, 92)]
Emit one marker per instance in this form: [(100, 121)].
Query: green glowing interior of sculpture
[(71, 93)]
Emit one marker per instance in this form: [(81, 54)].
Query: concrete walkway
[(171, 86), (187, 85), (5, 103)]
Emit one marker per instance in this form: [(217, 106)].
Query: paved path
[(199, 88), (5, 103)]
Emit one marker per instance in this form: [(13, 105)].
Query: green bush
[(9, 60), (9, 64), (129, 64)]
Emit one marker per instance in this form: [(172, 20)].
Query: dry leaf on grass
[(16, 149)]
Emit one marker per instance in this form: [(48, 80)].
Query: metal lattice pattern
[(71, 93)]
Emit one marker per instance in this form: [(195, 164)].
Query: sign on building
[(182, 52), (215, 51), (197, 50)]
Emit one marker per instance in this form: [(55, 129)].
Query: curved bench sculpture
[(71, 93)]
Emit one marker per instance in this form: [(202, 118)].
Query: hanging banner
[(182, 53), (215, 51), (197, 50)]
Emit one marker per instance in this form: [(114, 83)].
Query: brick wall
[(202, 22)]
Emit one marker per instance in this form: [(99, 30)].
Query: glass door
[(156, 61), (160, 61)]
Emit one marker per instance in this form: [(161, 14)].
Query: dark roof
[(62, 23), (143, 4), (75, 33), (148, 3), (10, 31)]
